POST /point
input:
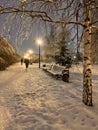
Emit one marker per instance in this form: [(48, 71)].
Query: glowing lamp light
[(39, 41)]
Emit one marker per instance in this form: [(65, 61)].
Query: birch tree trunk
[(87, 79)]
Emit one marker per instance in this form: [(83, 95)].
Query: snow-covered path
[(33, 100)]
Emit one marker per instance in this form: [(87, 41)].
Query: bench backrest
[(57, 68)]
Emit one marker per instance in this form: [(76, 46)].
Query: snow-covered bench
[(58, 71)]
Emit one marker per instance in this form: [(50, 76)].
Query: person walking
[(26, 61), (21, 61)]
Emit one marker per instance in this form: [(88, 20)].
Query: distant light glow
[(26, 56), (23, 1), (30, 51), (74, 57)]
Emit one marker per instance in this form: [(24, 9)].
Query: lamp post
[(39, 55), (39, 42)]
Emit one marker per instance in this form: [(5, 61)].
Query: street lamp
[(39, 42)]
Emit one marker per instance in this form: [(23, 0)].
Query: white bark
[(87, 79)]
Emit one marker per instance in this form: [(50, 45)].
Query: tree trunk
[(87, 79)]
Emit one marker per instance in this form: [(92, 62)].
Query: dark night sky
[(10, 26), (37, 31), (16, 29), (22, 31)]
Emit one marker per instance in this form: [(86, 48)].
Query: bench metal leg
[(65, 78)]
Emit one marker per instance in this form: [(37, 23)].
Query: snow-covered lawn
[(33, 100)]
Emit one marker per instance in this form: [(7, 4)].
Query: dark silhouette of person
[(21, 61), (26, 61)]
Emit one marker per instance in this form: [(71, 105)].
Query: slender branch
[(96, 27), (94, 22)]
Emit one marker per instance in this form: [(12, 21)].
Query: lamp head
[(39, 41)]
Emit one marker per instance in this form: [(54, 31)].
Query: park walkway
[(33, 100)]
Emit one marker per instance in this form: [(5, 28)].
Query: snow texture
[(33, 100)]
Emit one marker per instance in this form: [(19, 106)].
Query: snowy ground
[(33, 100)]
